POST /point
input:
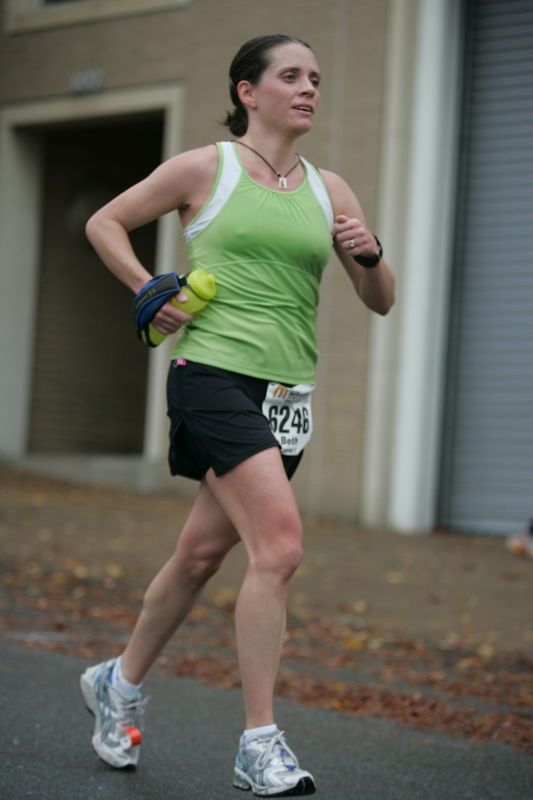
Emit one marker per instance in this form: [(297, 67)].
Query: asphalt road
[(191, 737)]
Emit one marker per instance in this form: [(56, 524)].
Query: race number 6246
[(282, 421)]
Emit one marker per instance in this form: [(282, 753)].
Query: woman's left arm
[(374, 285)]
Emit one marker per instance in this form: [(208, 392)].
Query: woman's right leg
[(206, 538), (202, 545)]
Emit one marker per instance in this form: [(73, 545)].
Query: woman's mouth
[(304, 109)]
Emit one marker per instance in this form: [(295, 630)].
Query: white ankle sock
[(264, 730), (126, 689)]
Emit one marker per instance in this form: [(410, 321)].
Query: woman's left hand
[(352, 235)]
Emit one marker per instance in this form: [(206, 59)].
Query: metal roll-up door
[(487, 468)]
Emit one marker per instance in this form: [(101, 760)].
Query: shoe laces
[(128, 712), (277, 740)]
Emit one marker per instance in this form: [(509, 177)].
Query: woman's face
[(287, 94)]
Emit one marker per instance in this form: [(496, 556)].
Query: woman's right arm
[(174, 185)]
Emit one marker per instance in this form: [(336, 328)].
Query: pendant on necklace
[(282, 182)]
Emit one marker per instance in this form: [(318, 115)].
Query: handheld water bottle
[(200, 288)]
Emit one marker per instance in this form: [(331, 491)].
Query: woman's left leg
[(259, 500)]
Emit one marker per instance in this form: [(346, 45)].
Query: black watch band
[(370, 261)]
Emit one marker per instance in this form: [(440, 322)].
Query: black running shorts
[(216, 420)]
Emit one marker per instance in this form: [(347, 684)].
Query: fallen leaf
[(197, 613), (225, 597), (80, 571), (114, 570), (395, 577), (354, 644)]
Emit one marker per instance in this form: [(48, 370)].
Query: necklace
[(282, 179)]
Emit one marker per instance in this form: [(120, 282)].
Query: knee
[(281, 549), (280, 560), (197, 566)]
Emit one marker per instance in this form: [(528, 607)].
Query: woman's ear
[(246, 92)]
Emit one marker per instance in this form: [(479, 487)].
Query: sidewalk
[(423, 635), (451, 589), (192, 732)]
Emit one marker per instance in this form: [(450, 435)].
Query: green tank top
[(267, 250)]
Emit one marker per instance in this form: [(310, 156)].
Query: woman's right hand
[(169, 318)]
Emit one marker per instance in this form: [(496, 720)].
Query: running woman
[(263, 220)]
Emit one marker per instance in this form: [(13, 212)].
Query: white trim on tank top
[(319, 189), (229, 177), (230, 174)]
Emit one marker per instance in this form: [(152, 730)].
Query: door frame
[(21, 180)]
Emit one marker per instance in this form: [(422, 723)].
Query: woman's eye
[(289, 76)]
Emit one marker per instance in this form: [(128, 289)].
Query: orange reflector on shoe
[(134, 735)]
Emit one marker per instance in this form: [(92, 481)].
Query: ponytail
[(237, 121)]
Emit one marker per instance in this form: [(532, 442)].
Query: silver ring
[(351, 244)]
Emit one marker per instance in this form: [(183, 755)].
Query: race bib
[(289, 412)]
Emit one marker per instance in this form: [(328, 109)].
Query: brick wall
[(193, 46)]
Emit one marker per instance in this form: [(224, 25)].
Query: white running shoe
[(117, 729), (268, 766)]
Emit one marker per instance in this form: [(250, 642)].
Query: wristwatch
[(370, 261)]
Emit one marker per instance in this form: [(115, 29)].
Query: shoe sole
[(91, 704), (303, 787)]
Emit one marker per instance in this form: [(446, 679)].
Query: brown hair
[(248, 65)]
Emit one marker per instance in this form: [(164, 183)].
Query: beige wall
[(194, 46)]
